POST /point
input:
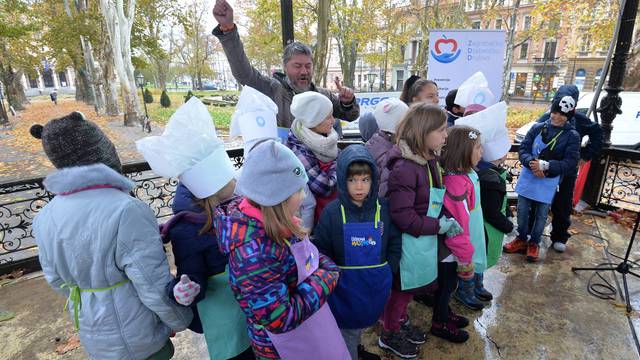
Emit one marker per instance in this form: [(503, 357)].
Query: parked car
[(626, 126)]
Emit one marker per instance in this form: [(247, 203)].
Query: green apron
[(223, 322), (419, 261), (476, 228), (495, 236)]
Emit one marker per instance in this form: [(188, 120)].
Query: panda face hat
[(565, 105)]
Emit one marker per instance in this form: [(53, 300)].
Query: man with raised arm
[(298, 70)]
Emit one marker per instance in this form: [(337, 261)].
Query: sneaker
[(533, 251), (365, 355), (425, 299), (413, 333), (449, 332), (457, 320), (559, 247), (516, 246), (397, 344)]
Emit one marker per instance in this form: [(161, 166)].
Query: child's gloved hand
[(449, 226), (185, 291)]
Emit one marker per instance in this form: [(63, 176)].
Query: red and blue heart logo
[(445, 50)]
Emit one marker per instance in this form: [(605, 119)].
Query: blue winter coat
[(583, 125), (195, 255), (563, 159), (100, 238)]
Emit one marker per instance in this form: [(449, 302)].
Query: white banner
[(455, 55)]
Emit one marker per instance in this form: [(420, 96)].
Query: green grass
[(221, 115)]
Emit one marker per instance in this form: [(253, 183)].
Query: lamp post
[(4, 119), (372, 79), (140, 82)]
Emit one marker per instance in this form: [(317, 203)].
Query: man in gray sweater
[(298, 71)]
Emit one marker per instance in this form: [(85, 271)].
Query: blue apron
[(476, 228), (365, 281), (419, 261), (533, 187)]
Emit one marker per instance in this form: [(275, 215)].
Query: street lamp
[(372, 79), (140, 82)]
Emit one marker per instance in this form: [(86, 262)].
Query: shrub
[(164, 99), (189, 95), (148, 98)]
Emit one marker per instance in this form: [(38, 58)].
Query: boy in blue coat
[(356, 231), (550, 151), (562, 202)]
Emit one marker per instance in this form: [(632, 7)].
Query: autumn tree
[(20, 49), (197, 46)]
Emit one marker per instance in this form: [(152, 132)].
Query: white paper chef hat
[(255, 118), (492, 124), (190, 150), (475, 90)]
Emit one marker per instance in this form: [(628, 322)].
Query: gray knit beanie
[(271, 173), (72, 140)]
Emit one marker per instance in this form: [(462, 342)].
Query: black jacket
[(493, 190)]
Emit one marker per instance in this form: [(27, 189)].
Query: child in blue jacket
[(356, 231), (550, 150)]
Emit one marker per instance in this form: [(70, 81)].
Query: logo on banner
[(446, 50)]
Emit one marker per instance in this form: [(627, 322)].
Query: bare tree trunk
[(320, 53), (105, 58), (119, 28), (506, 76), (12, 80)]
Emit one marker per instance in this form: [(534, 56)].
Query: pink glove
[(185, 291)]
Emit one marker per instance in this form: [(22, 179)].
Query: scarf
[(325, 148)]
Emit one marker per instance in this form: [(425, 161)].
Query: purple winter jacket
[(379, 146), (408, 194)]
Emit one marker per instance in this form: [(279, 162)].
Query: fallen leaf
[(573, 231), (71, 344), (6, 315), (12, 275), (588, 221)]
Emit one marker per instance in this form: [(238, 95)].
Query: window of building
[(585, 43), (550, 49), (62, 76), (477, 4), (527, 23), (33, 81), (47, 78), (399, 79), (475, 24), (521, 84), (498, 24), (524, 49), (581, 76), (596, 79)]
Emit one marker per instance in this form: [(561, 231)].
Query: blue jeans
[(526, 208)]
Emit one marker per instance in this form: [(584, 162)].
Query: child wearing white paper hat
[(388, 114), (255, 120), (492, 123), (190, 150), (315, 142)]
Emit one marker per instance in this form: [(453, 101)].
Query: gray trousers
[(352, 339)]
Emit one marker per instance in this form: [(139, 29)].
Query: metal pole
[(611, 104), (286, 11), (146, 114)]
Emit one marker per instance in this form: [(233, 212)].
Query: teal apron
[(495, 236), (364, 278), (533, 187), (476, 228), (419, 261), (223, 322)]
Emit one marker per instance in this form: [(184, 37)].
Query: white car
[(626, 126)]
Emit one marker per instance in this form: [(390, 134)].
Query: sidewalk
[(540, 311)]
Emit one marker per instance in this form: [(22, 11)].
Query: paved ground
[(541, 311)]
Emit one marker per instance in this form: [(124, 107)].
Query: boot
[(465, 294), (481, 293)]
